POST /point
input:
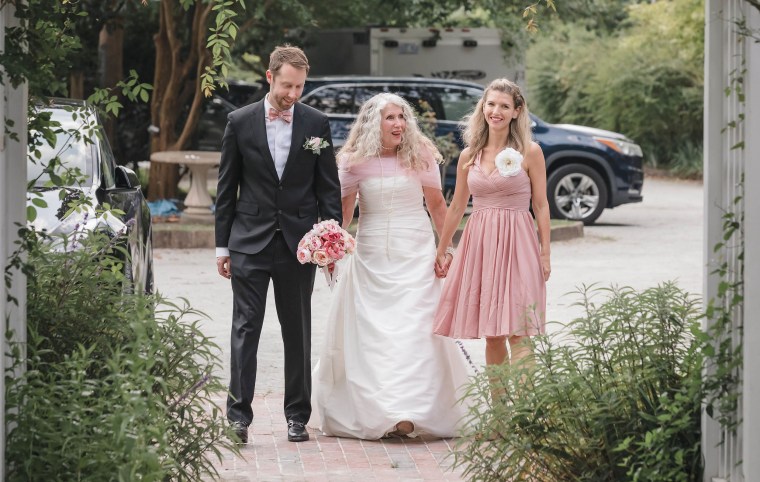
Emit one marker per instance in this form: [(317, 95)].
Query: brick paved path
[(269, 456)]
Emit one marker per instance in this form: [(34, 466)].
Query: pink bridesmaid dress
[(495, 285)]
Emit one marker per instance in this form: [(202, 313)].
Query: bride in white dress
[(382, 371)]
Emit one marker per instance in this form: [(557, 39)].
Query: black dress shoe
[(297, 432), (240, 432)]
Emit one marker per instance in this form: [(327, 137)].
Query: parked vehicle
[(587, 169), (82, 149), (475, 54)]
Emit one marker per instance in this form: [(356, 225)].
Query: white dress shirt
[(279, 134)]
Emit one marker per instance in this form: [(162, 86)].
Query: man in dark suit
[(273, 187)]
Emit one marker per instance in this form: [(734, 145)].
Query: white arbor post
[(730, 54), (13, 104), (750, 413)]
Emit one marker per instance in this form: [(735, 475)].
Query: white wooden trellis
[(734, 456), (13, 103)]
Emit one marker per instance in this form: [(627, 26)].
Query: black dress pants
[(293, 284)]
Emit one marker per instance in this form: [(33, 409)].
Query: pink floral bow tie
[(285, 115)]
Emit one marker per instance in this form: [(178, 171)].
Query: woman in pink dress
[(496, 281)]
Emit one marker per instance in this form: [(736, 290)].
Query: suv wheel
[(576, 193)]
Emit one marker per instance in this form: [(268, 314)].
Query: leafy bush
[(117, 386), (614, 396), (687, 161), (75, 291), (652, 91)]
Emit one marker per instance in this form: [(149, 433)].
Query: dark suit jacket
[(252, 203)]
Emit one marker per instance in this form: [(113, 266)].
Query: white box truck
[(473, 54)]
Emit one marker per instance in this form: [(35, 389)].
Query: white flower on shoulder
[(315, 144), (509, 162)]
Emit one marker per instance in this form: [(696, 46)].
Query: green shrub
[(687, 161), (76, 295), (650, 90), (117, 386), (615, 395), (560, 73)]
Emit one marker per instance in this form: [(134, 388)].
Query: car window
[(210, 129), (72, 146), (242, 94), (457, 102), (340, 125), (332, 100), (364, 92), (422, 98), (107, 162)]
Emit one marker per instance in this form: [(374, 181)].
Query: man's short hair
[(287, 54)]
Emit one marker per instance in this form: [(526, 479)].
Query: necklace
[(388, 208)]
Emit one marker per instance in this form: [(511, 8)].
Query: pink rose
[(303, 255), (320, 258), (315, 243), (350, 244), (332, 227), (335, 252)]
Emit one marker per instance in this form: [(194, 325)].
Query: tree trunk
[(178, 63), (76, 84), (111, 68)]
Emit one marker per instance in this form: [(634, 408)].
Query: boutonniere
[(508, 162), (315, 144)]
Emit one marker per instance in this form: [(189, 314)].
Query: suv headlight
[(623, 147)]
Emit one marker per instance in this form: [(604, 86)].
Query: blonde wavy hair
[(365, 136), (475, 131)]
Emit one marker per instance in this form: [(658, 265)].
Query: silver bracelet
[(450, 250)]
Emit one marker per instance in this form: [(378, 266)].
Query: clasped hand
[(442, 263)]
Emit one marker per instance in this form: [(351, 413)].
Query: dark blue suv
[(587, 169)]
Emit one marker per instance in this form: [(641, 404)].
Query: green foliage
[(560, 72), (117, 386), (687, 161), (652, 91), (131, 89), (723, 343), (445, 144), (221, 37), (601, 16), (74, 295), (38, 50), (615, 395)]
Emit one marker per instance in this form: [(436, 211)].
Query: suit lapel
[(259, 130), (296, 139)]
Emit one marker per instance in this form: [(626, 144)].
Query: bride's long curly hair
[(476, 128), (365, 136)]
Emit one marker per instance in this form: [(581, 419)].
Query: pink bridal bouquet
[(325, 244)]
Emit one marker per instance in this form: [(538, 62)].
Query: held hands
[(223, 266), (442, 263)]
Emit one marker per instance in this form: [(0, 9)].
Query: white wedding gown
[(381, 363)]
